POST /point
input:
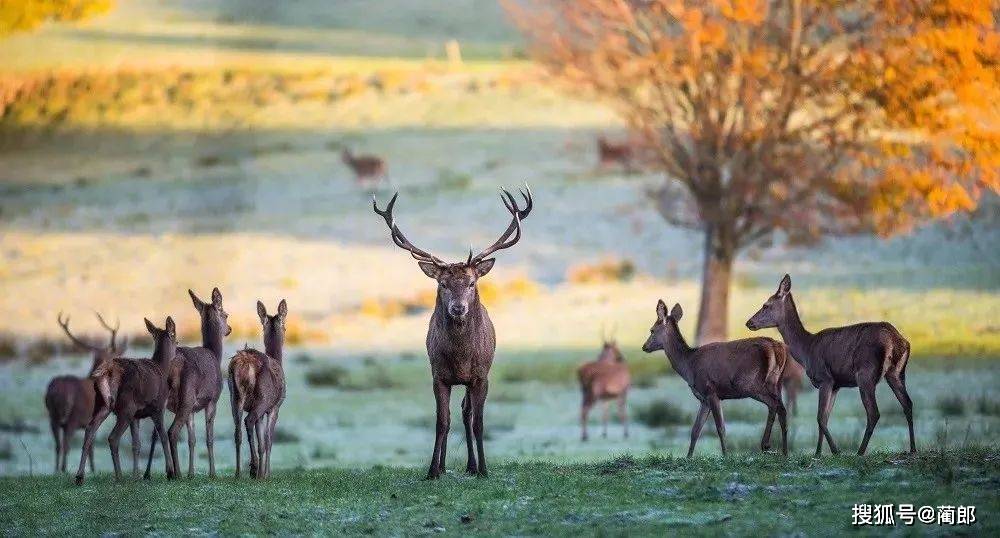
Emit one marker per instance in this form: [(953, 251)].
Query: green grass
[(738, 495)]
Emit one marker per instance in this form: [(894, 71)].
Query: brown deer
[(461, 340), (604, 379), (195, 383), (614, 153), (748, 368), (133, 389), (366, 168), (70, 400), (257, 386), (853, 356)]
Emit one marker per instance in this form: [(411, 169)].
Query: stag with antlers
[(461, 340), (70, 400)]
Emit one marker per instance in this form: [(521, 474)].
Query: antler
[(399, 239), (514, 228), (74, 339), (112, 344)]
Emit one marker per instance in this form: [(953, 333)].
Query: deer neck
[(273, 345), (211, 338), (163, 354), (794, 333), (679, 353)]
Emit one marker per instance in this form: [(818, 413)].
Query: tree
[(23, 15), (798, 117)]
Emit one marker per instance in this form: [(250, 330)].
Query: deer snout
[(229, 330), (751, 325), (458, 310)]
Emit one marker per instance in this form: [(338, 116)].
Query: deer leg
[(152, 450), (251, 424), (584, 411), (273, 424), (67, 440), (136, 446), (775, 407), (160, 431), (237, 433), (191, 444), (867, 389), (699, 422), (604, 419), (720, 423), (115, 437), (442, 395), (172, 436), (898, 387), (623, 414), (210, 437), (470, 466), (765, 441), (56, 433), (90, 455), (827, 395), (479, 402), (88, 441), (261, 436)]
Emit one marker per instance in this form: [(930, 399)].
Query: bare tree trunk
[(713, 313)]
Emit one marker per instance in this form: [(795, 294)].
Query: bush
[(607, 270), (661, 413), (41, 351), (331, 375), (986, 405), (8, 347), (284, 437), (951, 406)]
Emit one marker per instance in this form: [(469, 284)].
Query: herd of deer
[(461, 342)]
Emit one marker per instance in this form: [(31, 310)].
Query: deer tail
[(776, 358), (242, 378), (105, 378)]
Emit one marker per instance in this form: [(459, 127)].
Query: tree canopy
[(24, 15)]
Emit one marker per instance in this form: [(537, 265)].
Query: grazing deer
[(70, 400), (257, 386), (133, 389), (604, 379), (748, 368), (612, 153), (366, 168), (853, 356), (195, 383), (461, 340)]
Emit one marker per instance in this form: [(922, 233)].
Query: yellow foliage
[(606, 270), (23, 15)]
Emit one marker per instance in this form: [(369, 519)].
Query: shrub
[(284, 437), (330, 375), (986, 405), (607, 270), (951, 406), (41, 351), (6, 451), (661, 413), (8, 347)]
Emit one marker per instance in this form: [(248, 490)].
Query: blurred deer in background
[(748, 368), (604, 379), (368, 169), (852, 356), (70, 400), (615, 153), (461, 340), (133, 389), (257, 386)]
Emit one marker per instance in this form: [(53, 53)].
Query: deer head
[(772, 313), (664, 328), (111, 350), (165, 339), (213, 316), (609, 348), (273, 326), (457, 289)]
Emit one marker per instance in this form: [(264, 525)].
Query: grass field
[(739, 495)]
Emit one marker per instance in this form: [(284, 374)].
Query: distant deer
[(614, 153), (257, 386), (748, 368), (366, 168), (461, 340), (70, 400), (604, 379), (853, 356), (133, 389), (195, 383)]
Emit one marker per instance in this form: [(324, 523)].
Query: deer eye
[(472, 285)]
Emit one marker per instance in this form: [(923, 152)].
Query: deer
[(461, 339), (195, 384), (853, 356), (366, 168), (604, 379), (70, 400), (132, 389), (747, 368), (612, 153), (257, 386)]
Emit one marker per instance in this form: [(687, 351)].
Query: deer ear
[(661, 310), (282, 309), (150, 327), (261, 312), (677, 312), (197, 302), (785, 286), (483, 267), (171, 328), (430, 269), (216, 298)]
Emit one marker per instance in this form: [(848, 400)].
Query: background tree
[(800, 117), (22, 15)]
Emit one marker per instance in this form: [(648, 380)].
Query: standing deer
[(132, 389), (604, 379), (195, 383), (612, 153), (748, 368), (70, 400), (257, 386), (366, 168), (853, 356), (461, 340)]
